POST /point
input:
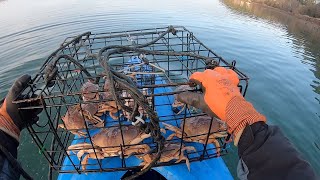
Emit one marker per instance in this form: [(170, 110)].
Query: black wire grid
[(76, 63)]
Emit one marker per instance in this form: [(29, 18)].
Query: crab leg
[(75, 132), (140, 138), (93, 155), (107, 107), (61, 126), (171, 127), (182, 157), (171, 136), (189, 149), (143, 148), (75, 148), (79, 146), (111, 114), (79, 133), (177, 131), (109, 153), (220, 134), (82, 148), (99, 123), (81, 152), (147, 159), (216, 144), (92, 118)]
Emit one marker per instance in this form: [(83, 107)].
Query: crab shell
[(90, 108), (77, 116), (89, 91), (200, 125), (73, 119), (106, 144), (196, 130), (112, 136)]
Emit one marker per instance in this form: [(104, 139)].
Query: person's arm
[(265, 153), (12, 121), (7, 170)]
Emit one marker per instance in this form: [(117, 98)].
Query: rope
[(121, 81)]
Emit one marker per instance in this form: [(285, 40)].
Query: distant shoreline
[(286, 9), (299, 16)]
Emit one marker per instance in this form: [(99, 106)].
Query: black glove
[(11, 110)]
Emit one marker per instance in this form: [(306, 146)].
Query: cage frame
[(71, 44)]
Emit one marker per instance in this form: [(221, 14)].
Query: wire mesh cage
[(109, 102)]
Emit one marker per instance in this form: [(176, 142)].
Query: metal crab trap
[(109, 102)]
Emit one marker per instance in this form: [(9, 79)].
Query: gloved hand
[(13, 120), (223, 99)]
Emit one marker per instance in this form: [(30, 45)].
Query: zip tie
[(141, 56), (138, 119)]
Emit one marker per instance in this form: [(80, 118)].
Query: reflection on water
[(278, 53), (306, 34), (304, 37)]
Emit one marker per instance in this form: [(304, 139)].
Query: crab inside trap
[(108, 99)]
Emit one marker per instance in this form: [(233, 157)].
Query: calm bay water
[(275, 51)]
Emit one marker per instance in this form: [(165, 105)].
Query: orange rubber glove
[(222, 98)]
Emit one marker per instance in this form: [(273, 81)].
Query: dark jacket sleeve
[(265, 153), (7, 171)]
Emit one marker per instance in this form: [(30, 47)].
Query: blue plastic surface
[(214, 168)]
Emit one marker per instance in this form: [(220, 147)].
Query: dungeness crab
[(76, 117), (196, 130), (171, 151), (106, 144), (90, 92)]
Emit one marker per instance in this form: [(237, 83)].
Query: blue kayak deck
[(214, 168)]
